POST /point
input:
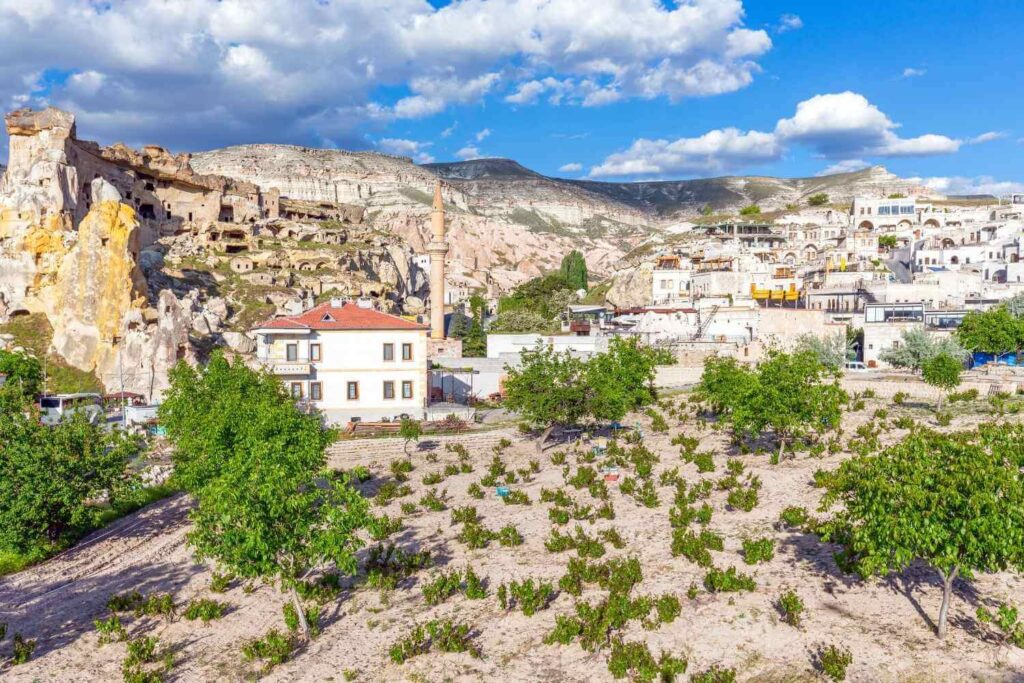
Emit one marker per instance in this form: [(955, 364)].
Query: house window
[(292, 352), (316, 391), (406, 389), (314, 352), (389, 389), (296, 389), (389, 352), (406, 351), (353, 391)]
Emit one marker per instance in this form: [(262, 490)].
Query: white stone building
[(349, 360)]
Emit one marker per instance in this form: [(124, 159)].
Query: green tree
[(521, 322), (833, 352), (724, 383), (51, 476), (265, 507), (917, 346), (942, 371), (706, 210), (411, 430), (818, 199), (574, 270), (888, 241), (24, 372), (994, 331), (955, 502), (750, 210), (474, 344)]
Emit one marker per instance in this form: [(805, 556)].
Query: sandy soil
[(886, 624)]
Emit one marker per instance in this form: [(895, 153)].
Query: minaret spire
[(438, 249)]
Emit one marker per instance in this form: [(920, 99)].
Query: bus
[(55, 409)]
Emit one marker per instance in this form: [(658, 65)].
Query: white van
[(856, 366), (55, 409)]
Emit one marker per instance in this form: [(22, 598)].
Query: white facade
[(352, 370)]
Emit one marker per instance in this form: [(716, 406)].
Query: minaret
[(437, 248)]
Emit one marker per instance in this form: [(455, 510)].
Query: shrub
[(714, 674), (205, 610), (442, 587), (758, 550), (23, 649), (475, 588), (445, 635), (794, 516), (558, 458), (159, 605), (613, 537), (616, 575), (833, 661), (433, 478), (389, 491), (704, 460), (1008, 622), (516, 498), (409, 508), (559, 515), (690, 546), (475, 491), (728, 581), (791, 607), (963, 396), (383, 526), (323, 590), (475, 536), (899, 398), (904, 422), (634, 659), (466, 514), (530, 596), (125, 602), (944, 418), (557, 496), (509, 536), (606, 511), (385, 565), (400, 469), (658, 423), (744, 498), (219, 583), (451, 470), (291, 618), (137, 666), (111, 630), (274, 647), (432, 501), (667, 607)]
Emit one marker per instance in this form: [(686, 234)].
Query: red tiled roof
[(348, 316)]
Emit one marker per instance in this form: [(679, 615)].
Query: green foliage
[(832, 352), (144, 663), (23, 649), (1007, 620), (205, 610), (791, 607), (434, 501), (751, 210), (443, 634), (634, 660), (442, 587), (695, 547), (50, 478), (466, 514), (888, 241), (529, 595), (993, 331), (793, 516), (542, 297), (728, 581), (383, 526), (714, 674), (917, 346), (953, 501), (24, 373), (963, 396), (758, 550), (111, 630), (410, 430), (574, 270), (833, 661), (400, 469), (219, 583), (386, 565), (274, 648), (818, 199), (475, 536), (516, 497), (475, 491), (390, 490), (509, 536)]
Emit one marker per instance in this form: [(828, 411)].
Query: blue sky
[(616, 90)]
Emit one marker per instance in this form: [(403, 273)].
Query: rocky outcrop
[(631, 286)]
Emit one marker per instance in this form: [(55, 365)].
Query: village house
[(348, 360)]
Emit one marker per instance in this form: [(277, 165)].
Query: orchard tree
[(620, 380), (411, 430), (917, 346), (952, 501), (547, 389), (995, 331), (574, 270), (942, 371), (724, 383)]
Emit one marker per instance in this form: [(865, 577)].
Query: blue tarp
[(980, 358)]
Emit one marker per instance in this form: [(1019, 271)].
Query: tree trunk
[(782, 447), (938, 404), (297, 604), (544, 437), (947, 593)]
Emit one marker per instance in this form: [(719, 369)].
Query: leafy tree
[(224, 409), (819, 199), (994, 331), (918, 346), (574, 270), (474, 344), (255, 464), (888, 241), (706, 210), (897, 195), (955, 502), (942, 371), (24, 372), (750, 210), (535, 295), (833, 352), (1015, 305), (50, 476), (521, 322), (724, 383), (411, 430)]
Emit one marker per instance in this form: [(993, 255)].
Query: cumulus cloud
[(911, 72), (966, 185), (278, 70), (406, 148), (789, 22), (483, 134), (714, 152), (844, 166), (571, 167), (468, 153), (987, 137), (842, 126)]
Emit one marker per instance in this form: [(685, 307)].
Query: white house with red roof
[(349, 360)]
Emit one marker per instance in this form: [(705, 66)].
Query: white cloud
[(714, 152), (237, 70), (447, 132), (789, 22), (482, 135), (571, 167), (911, 72), (406, 148), (965, 185), (468, 152), (844, 166), (987, 137), (843, 125)]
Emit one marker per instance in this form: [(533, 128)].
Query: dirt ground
[(886, 624)]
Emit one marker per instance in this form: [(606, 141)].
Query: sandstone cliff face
[(631, 286)]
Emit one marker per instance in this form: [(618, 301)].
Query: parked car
[(59, 407), (856, 366)]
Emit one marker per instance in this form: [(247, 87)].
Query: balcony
[(290, 367)]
